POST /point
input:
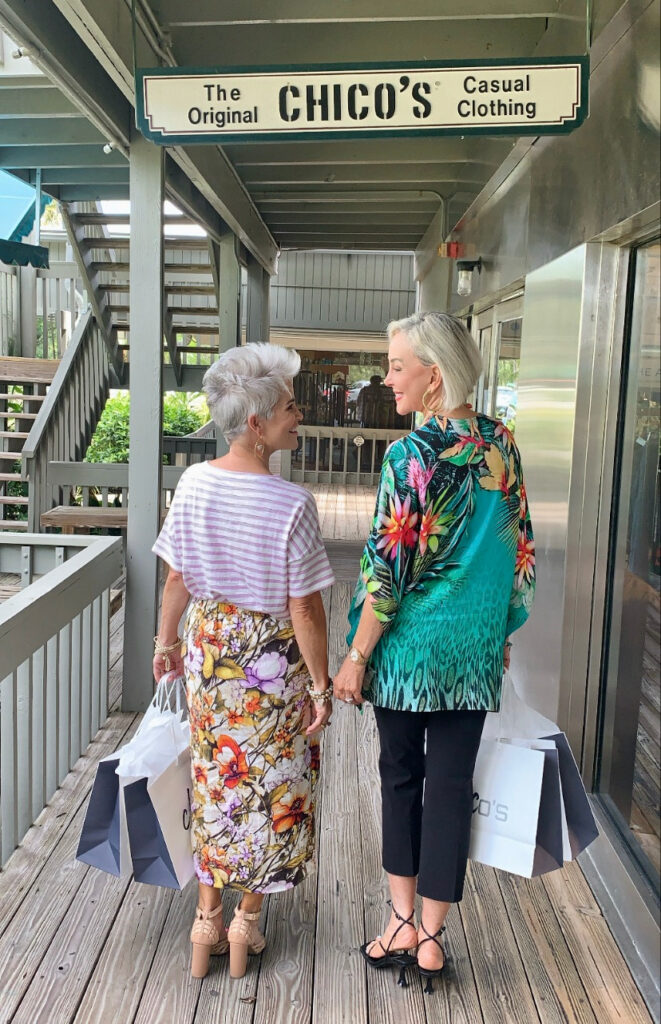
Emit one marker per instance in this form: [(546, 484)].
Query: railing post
[(146, 317)]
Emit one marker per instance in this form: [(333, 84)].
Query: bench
[(72, 518), (83, 518)]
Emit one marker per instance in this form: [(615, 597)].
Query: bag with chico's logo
[(530, 810)]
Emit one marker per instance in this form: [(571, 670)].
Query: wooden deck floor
[(77, 945)]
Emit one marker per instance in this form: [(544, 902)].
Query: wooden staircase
[(101, 244), (23, 387)]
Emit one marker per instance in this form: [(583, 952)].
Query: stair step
[(173, 310), (168, 268), (13, 501), (123, 218), (6, 477), (11, 414), (17, 369), (13, 525), (170, 289), (14, 433), (18, 396), (179, 328), (123, 242), (10, 456)]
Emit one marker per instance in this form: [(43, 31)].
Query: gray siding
[(350, 291)]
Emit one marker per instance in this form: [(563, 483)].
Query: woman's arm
[(309, 621), (175, 599)]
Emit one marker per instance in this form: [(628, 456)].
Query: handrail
[(103, 474), (48, 407), (54, 655), (52, 601)]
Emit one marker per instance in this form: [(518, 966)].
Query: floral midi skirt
[(254, 769)]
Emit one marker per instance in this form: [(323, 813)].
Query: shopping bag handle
[(170, 694)]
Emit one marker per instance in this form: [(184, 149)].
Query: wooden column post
[(146, 423), (258, 319)]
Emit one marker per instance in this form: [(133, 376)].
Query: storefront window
[(628, 769), (507, 371)]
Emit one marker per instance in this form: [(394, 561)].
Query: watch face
[(353, 654)]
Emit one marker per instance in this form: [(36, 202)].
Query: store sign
[(527, 97)]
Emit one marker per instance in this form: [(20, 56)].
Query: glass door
[(628, 770)]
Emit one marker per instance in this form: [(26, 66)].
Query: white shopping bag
[(138, 818), (516, 822), (569, 826)]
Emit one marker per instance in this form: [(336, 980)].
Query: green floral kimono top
[(449, 566)]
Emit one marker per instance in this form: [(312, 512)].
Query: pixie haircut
[(248, 381), (443, 340)]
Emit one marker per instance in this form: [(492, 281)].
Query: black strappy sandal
[(401, 958), (428, 972)]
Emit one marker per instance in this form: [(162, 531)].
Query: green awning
[(19, 254)]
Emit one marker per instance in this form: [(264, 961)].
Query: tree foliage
[(111, 437)]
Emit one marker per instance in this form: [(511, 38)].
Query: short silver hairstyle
[(248, 381), (443, 340)]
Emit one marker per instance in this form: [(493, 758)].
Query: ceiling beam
[(35, 104), (483, 150), (106, 31), (78, 175), (60, 156), (332, 43), (60, 131), (172, 13), (411, 174), (352, 196)]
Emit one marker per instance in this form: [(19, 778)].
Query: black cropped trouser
[(426, 764)]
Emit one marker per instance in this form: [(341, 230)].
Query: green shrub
[(111, 437)]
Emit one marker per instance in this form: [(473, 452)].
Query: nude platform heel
[(244, 937), (206, 938)]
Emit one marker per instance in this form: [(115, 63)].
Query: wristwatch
[(356, 657)]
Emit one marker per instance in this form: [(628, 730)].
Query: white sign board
[(177, 105)]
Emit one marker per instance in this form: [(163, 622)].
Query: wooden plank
[(23, 870), (340, 991), (608, 983), (9, 765), (500, 976), (285, 977), (170, 994), (556, 984), (114, 990)]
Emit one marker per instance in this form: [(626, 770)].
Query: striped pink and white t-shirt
[(243, 538)]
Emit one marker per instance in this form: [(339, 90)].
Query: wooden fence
[(53, 667), (340, 455)]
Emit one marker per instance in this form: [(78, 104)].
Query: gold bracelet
[(321, 696), (166, 650)]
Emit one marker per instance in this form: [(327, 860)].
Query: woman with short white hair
[(447, 575), (245, 554)]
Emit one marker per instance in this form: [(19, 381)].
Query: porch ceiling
[(362, 193)]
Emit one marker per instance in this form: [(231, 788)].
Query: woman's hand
[(175, 663), (506, 656), (348, 682), (323, 709)]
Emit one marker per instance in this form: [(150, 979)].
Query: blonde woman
[(447, 575)]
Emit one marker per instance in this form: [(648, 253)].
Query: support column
[(258, 320), (146, 422), (434, 290)]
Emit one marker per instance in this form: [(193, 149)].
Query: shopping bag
[(158, 821), (159, 749), (581, 826), (516, 823), (104, 840), (518, 722)]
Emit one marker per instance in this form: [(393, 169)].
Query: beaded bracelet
[(321, 696), (166, 650)]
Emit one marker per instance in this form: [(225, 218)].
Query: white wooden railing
[(60, 302), (341, 455), (68, 417), (53, 667), (105, 482), (9, 312)]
